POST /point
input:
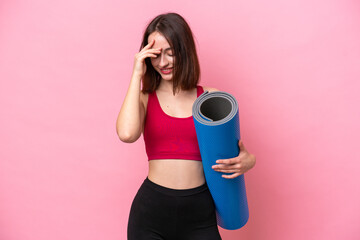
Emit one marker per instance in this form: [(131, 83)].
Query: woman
[(174, 201)]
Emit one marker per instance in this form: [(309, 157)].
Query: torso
[(175, 173)]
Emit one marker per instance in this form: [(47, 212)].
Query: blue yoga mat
[(216, 119)]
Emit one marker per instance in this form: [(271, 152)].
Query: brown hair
[(186, 72)]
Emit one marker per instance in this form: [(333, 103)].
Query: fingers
[(151, 55), (226, 167), (148, 53), (229, 170), (230, 165), (150, 44), (227, 161), (231, 176), (152, 50)]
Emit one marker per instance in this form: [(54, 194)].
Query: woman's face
[(163, 63)]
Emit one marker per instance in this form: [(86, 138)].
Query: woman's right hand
[(139, 62)]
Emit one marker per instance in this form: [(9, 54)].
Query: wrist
[(136, 76)]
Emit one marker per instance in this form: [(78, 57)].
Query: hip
[(161, 202), (159, 212)]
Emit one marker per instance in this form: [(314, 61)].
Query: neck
[(166, 86)]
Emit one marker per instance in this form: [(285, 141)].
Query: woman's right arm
[(128, 124), (131, 117)]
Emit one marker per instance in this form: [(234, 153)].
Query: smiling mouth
[(166, 70)]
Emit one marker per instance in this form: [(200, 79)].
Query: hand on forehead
[(160, 41)]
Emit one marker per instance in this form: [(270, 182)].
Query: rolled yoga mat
[(216, 119)]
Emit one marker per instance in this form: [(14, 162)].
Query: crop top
[(168, 137)]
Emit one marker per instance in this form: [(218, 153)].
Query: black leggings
[(161, 213)]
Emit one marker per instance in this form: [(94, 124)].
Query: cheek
[(153, 61), (171, 59)]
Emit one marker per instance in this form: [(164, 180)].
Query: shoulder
[(210, 89)]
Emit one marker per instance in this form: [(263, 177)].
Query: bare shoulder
[(210, 89)]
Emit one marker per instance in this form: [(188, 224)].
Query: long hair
[(186, 72)]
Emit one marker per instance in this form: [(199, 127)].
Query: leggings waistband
[(175, 192)]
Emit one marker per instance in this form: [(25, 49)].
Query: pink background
[(65, 66)]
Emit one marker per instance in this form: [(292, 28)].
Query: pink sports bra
[(168, 137)]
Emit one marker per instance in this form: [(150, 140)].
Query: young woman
[(174, 201)]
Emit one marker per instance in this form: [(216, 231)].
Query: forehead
[(160, 40)]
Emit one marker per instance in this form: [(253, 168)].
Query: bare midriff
[(176, 173)]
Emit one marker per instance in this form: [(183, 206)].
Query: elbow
[(127, 137), (254, 159)]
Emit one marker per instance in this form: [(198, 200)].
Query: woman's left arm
[(237, 165)]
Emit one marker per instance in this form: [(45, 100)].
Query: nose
[(163, 61)]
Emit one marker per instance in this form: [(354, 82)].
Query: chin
[(167, 77)]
